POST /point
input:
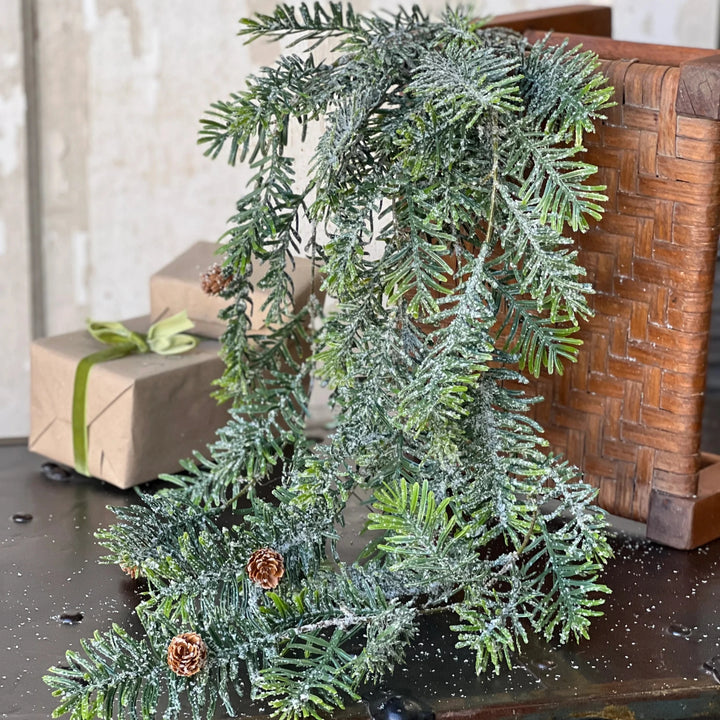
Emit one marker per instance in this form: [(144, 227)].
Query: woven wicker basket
[(629, 413)]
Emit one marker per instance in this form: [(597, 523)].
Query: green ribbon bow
[(165, 337)]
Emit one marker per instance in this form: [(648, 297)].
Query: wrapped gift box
[(177, 287), (144, 412)]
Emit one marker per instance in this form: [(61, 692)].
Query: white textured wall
[(122, 85), (693, 23), (14, 249), (124, 187)]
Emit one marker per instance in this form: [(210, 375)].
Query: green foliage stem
[(447, 172)]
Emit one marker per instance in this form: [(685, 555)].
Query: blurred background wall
[(101, 180)]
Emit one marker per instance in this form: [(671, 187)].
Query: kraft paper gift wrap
[(177, 287), (144, 412)]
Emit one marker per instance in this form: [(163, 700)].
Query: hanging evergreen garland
[(456, 149)]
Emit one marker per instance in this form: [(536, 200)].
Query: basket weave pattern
[(629, 412)]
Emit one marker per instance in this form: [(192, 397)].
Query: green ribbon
[(165, 337)]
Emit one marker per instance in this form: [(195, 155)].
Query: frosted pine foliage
[(456, 149)]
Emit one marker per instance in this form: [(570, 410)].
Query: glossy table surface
[(650, 656)]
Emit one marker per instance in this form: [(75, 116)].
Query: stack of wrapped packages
[(126, 401)]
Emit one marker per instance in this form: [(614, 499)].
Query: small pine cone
[(265, 568), (187, 654), (214, 280), (132, 570)]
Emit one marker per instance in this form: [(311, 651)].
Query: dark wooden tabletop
[(711, 414), (650, 656)]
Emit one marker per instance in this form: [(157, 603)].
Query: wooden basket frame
[(629, 413)]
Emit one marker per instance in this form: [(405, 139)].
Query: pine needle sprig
[(298, 88), (446, 176), (565, 91), (551, 177), (148, 533), (113, 673), (320, 23), (467, 83)]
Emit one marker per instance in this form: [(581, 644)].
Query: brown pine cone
[(214, 280), (265, 568), (187, 654), (132, 570)]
